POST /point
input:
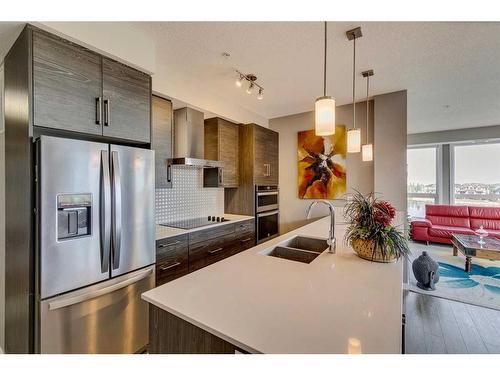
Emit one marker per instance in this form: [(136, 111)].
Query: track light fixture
[(252, 80)]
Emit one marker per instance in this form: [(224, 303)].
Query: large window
[(477, 174), (422, 179)]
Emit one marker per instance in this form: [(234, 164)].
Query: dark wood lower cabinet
[(179, 255), (169, 334), (172, 258)]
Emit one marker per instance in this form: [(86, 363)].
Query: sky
[(473, 163)]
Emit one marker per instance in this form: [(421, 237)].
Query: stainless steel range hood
[(189, 140), (193, 162)]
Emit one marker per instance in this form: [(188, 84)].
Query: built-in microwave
[(266, 198)]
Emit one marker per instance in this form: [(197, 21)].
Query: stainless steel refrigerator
[(96, 246)]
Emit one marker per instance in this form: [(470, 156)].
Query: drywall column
[(390, 166), (2, 217)]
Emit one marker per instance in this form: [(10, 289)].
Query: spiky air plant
[(369, 222)]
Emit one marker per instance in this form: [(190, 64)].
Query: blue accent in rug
[(462, 279)]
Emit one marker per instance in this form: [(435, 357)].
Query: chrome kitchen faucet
[(332, 245)]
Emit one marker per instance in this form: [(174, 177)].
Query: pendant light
[(354, 134), (367, 148), (324, 107)]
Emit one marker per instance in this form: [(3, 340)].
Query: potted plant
[(370, 232)]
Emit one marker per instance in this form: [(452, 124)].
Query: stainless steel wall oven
[(266, 212)]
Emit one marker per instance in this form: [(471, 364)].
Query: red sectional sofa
[(441, 221)]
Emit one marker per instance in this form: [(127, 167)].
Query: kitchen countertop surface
[(338, 303), (165, 232)]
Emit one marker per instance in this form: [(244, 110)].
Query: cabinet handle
[(107, 114), (98, 110), (247, 239), (216, 250), (161, 246), (267, 173), (164, 268), (221, 176)]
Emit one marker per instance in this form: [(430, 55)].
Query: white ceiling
[(440, 64), (451, 70)]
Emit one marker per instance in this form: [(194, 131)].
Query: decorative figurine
[(481, 233), (426, 271)]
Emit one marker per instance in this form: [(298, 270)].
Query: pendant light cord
[(324, 70), (354, 86), (367, 104)]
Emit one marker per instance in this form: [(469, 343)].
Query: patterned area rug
[(481, 287)]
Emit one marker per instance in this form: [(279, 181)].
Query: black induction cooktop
[(196, 222)]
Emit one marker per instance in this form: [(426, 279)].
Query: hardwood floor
[(439, 326)]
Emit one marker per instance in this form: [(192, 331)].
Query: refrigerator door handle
[(116, 209), (105, 211), (58, 304)]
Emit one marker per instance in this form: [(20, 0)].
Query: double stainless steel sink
[(298, 248)]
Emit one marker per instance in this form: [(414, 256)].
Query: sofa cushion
[(446, 231), (488, 217), (493, 233), (421, 223), (446, 210), (453, 216), (450, 221)]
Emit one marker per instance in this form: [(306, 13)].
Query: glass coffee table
[(468, 245)]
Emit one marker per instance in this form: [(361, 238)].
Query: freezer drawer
[(108, 317)]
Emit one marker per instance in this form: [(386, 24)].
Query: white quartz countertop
[(338, 303), (165, 232)]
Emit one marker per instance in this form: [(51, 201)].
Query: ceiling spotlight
[(260, 96), (250, 87), (239, 81)]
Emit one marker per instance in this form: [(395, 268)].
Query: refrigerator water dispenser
[(73, 215)]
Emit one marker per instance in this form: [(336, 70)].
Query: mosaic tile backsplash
[(188, 198)]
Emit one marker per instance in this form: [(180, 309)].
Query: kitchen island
[(255, 303)]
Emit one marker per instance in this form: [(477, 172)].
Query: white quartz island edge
[(338, 303)]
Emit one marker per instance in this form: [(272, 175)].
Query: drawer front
[(171, 258), (247, 242), (170, 270), (244, 227), (208, 252), (209, 234), (171, 247)]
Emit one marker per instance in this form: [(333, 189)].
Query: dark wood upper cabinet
[(259, 165), (66, 85), (161, 140), (261, 154), (221, 143), (126, 102), (75, 89)]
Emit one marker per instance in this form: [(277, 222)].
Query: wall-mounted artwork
[(322, 164)]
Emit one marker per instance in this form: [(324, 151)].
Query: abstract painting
[(322, 164)]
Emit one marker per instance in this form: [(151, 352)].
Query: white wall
[(359, 173), (390, 148)]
